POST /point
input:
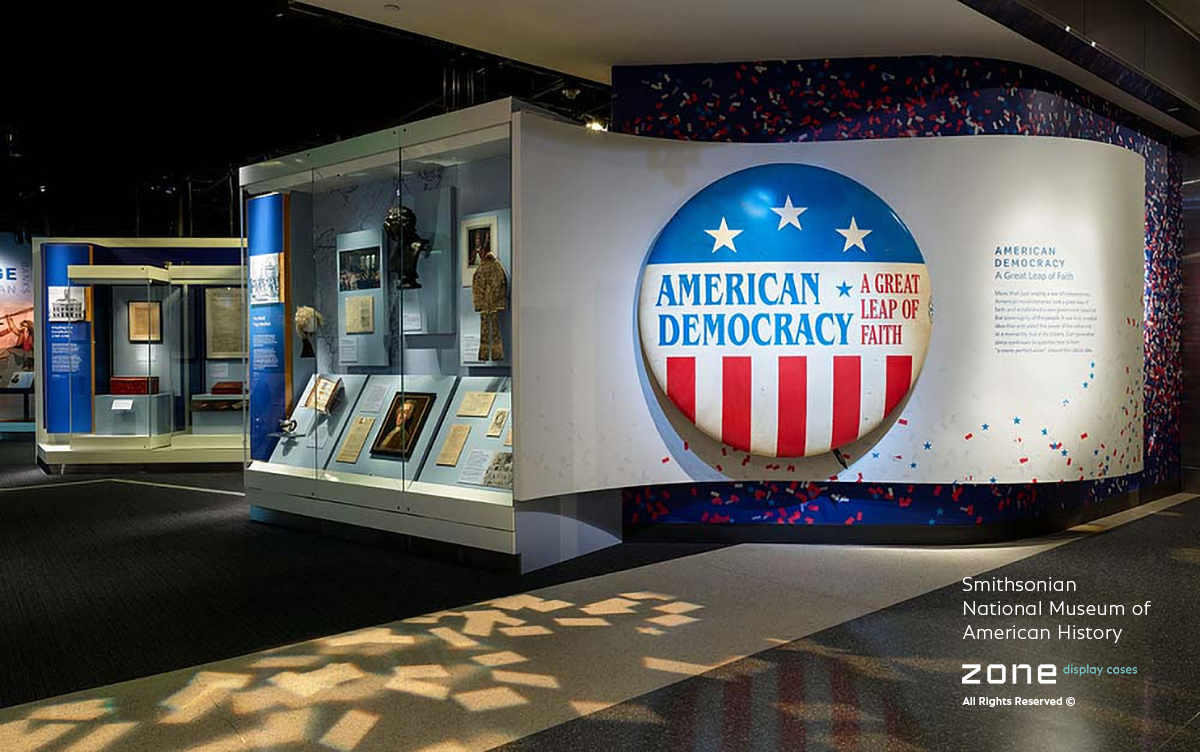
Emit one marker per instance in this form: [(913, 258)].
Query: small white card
[(122, 404), (322, 436), (348, 350), (470, 348), (218, 370), (475, 466), (372, 398), (411, 317)]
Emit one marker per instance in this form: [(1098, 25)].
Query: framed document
[(360, 314), (496, 427), (356, 439), (403, 423), (476, 238), (455, 441), (476, 404), (358, 269), (145, 321), (324, 395), (225, 322)]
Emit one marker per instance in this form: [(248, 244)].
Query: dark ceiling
[(124, 119)]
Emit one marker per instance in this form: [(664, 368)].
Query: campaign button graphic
[(785, 310)]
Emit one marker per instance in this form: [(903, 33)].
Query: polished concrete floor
[(742, 647)]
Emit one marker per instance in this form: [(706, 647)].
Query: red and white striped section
[(788, 405)]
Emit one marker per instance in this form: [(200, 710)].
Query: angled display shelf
[(145, 355), (381, 273)]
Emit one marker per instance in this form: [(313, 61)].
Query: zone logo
[(1045, 673)]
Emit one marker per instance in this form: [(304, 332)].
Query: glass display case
[(380, 284), (145, 356)]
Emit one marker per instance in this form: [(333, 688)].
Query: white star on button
[(789, 215), (854, 236), (723, 237)]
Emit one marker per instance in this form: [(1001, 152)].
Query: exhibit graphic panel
[(1030, 295), (785, 340)]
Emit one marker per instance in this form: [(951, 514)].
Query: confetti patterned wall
[(817, 100)]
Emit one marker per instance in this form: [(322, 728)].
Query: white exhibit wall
[(1025, 379)]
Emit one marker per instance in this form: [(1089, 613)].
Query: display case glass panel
[(392, 320)]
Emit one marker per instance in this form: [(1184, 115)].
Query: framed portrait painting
[(477, 237), (402, 425)]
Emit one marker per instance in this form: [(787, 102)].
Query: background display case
[(381, 274), (145, 356)]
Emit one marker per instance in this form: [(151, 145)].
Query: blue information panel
[(268, 322), (68, 334)]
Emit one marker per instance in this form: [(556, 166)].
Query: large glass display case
[(145, 354), (380, 276)]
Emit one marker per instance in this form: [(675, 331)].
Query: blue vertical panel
[(68, 352), (268, 331)]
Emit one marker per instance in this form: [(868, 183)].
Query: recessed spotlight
[(391, 6), (1093, 43), (596, 125), (1068, 28)]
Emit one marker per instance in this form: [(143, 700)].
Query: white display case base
[(540, 533), (129, 450)]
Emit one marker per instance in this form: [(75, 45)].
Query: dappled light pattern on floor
[(338, 690)]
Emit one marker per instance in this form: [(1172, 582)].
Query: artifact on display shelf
[(229, 387), (356, 439), (402, 426), (324, 395), (489, 292), (145, 321), (67, 303), (225, 322), (496, 427), (476, 404), (475, 466), (476, 241), (133, 385), (266, 278), (499, 473), (455, 441), (359, 269), (360, 314), (408, 246), (508, 438), (287, 429), (307, 320)]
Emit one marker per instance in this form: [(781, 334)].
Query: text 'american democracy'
[(790, 325)]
